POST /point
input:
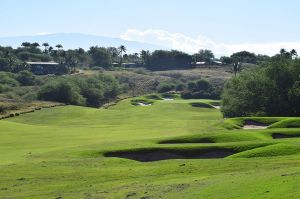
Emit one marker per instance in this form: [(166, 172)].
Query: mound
[(280, 149), (187, 141), (153, 97), (201, 105), (287, 123)]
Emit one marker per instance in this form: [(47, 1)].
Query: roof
[(217, 62), (42, 63), (201, 62)]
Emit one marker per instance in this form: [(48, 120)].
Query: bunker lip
[(249, 124), (283, 136), (163, 154), (201, 141)]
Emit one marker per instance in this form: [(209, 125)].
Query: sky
[(224, 26)]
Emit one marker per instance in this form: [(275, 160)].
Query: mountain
[(76, 40)]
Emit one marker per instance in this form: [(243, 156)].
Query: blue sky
[(230, 22)]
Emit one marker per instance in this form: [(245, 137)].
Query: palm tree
[(283, 51), (145, 56), (59, 46), (50, 49), (26, 44), (46, 45), (35, 45), (294, 53), (122, 49)]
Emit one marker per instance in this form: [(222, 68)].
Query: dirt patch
[(254, 125), (161, 154), (282, 136)]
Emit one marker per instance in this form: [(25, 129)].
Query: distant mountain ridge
[(76, 40)]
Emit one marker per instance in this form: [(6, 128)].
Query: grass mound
[(153, 97), (170, 95), (201, 105), (217, 138), (215, 103), (287, 123), (280, 149), (188, 140)]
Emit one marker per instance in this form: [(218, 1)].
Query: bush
[(26, 78), (94, 97), (91, 91), (165, 87), (200, 89), (62, 91), (8, 79), (4, 88)]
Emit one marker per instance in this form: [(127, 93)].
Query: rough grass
[(60, 153)]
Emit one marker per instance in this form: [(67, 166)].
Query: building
[(44, 68)]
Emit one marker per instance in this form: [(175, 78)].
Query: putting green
[(60, 153)]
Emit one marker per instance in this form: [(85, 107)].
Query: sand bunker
[(254, 125), (143, 104), (282, 136), (167, 99), (217, 107), (160, 154)]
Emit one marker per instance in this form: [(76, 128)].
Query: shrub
[(8, 79), (94, 97), (61, 91), (200, 89), (26, 78), (165, 87)]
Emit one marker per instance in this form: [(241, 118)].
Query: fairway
[(73, 152)]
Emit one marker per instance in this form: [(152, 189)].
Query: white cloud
[(182, 42)]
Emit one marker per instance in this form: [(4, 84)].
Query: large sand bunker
[(162, 154), (254, 125)]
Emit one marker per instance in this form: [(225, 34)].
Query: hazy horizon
[(223, 27)]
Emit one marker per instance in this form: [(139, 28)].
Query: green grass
[(59, 152), (287, 123)]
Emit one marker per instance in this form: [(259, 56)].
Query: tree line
[(270, 89), (14, 59)]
